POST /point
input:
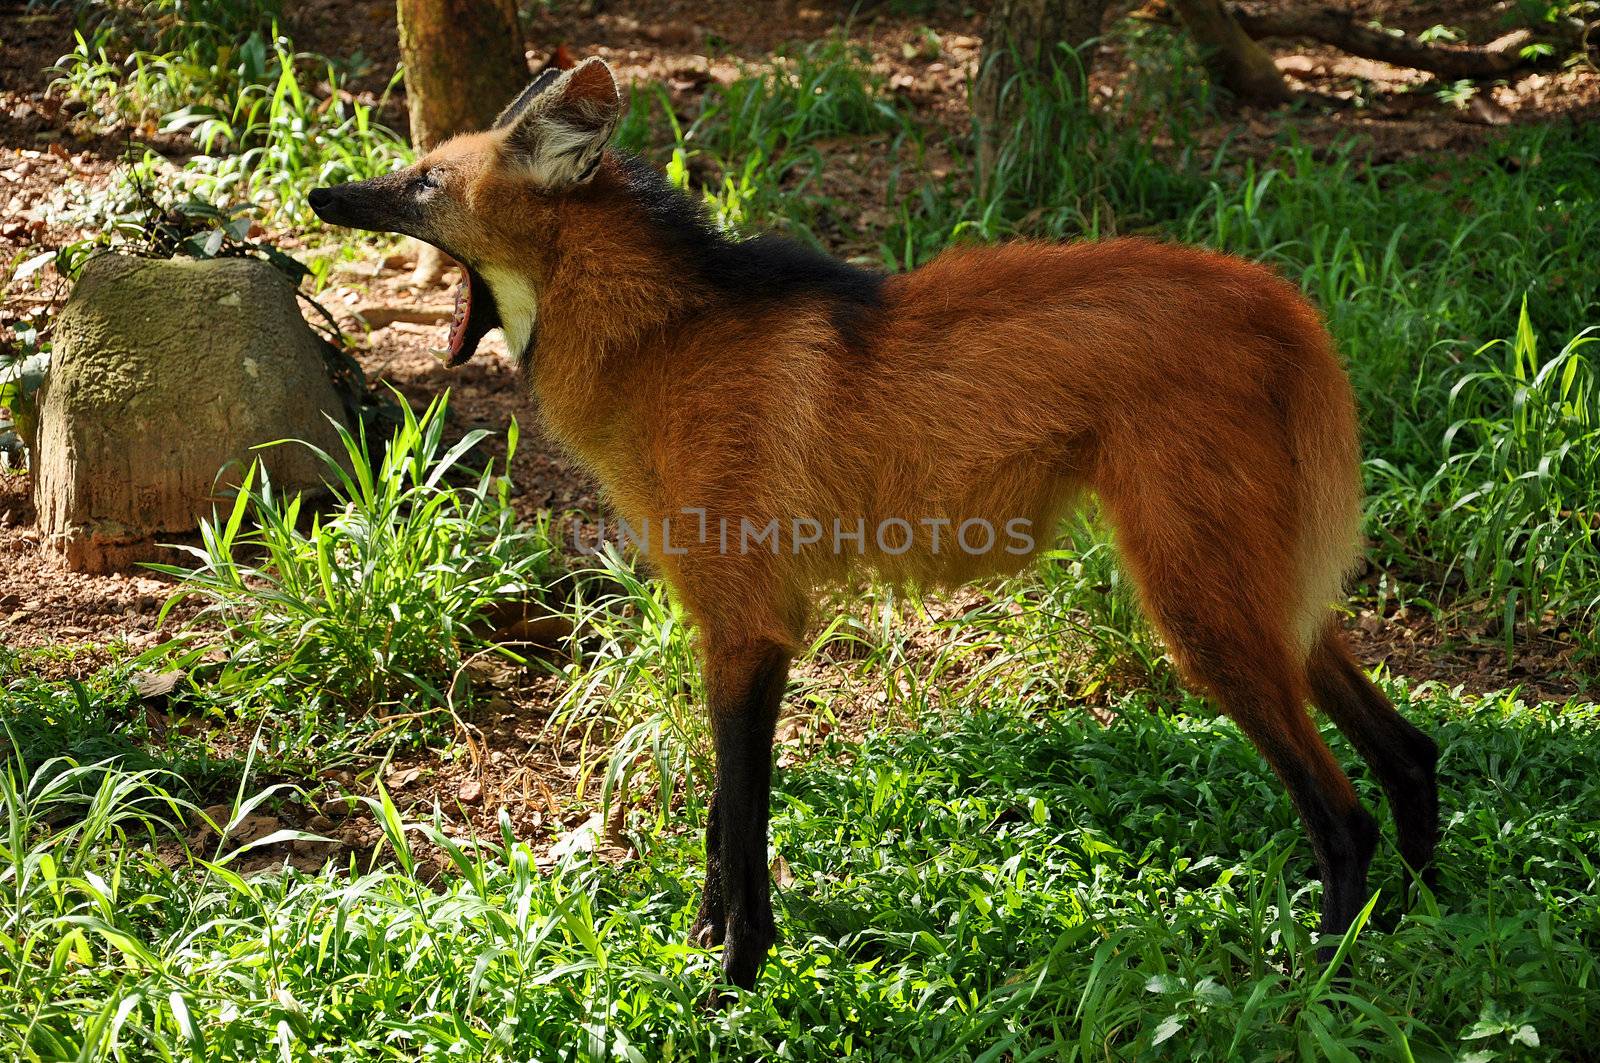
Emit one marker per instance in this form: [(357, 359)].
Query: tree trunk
[(1235, 62), (1022, 46), (463, 61)]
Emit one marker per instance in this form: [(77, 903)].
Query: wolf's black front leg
[(744, 687)]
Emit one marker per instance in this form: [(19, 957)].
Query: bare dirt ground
[(45, 159)]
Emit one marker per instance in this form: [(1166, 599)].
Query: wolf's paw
[(707, 933)]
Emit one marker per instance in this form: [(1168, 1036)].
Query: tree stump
[(164, 375)]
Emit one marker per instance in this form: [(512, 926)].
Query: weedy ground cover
[(1013, 879), (372, 604), (268, 123)]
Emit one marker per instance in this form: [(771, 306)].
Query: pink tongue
[(463, 314)]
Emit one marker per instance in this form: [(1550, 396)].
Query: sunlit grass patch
[(376, 604), (635, 697), (268, 123), (1014, 877), (1511, 507)]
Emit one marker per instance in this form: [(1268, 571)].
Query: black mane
[(756, 270)]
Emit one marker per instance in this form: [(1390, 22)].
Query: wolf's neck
[(607, 318), (634, 276)]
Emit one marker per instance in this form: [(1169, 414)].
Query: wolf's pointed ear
[(558, 128), (514, 109)]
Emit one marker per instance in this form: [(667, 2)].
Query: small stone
[(471, 792), (358, 833), (254, 828), (151, 686)]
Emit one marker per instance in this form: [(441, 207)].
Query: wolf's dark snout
[(323, 204), (352, 205)]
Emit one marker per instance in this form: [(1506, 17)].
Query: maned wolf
[(736, 398)]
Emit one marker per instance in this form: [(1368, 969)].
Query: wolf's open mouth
[(474, 316)]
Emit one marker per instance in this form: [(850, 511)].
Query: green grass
[(1016, 880), (634, 696), (761, 136), (1511, 508), (268, 123), (376, 606)]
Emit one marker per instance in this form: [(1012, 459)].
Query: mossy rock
[(164, 375)]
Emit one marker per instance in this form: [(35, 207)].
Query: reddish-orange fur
[(1197, 395)]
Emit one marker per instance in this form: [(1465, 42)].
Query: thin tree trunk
[(1235, 62), (463, 61), (1022, 43)]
